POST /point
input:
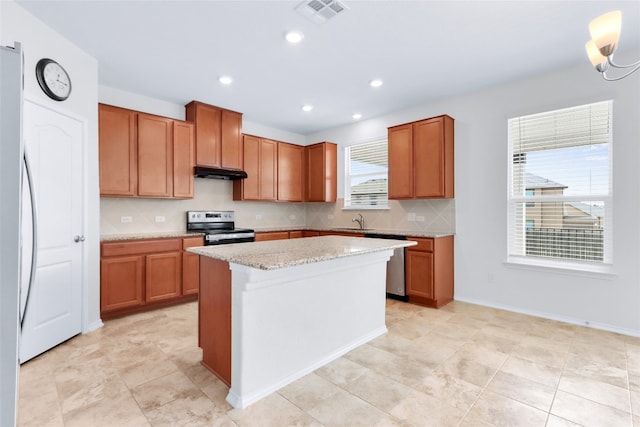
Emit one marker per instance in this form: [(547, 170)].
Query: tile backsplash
[(213, 194), (428, 215)]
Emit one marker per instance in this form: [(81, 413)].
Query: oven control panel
[(210, 216)]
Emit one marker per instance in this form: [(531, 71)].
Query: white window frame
[(578, 266), (348, 175)]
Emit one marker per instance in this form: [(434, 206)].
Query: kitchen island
[(271, 312)]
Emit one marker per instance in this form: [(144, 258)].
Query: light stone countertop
[(143, 236), (406, 233), (176, 234), (275, 254)]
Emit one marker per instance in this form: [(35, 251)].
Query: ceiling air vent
[(320, 11)]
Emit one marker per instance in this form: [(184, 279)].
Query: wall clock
[(53, 79)]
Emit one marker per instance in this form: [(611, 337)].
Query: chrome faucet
[(360, 221)]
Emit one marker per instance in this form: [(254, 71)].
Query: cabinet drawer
[(190, 242), (140, 247), (423, 244)]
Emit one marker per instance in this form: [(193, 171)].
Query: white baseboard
[(92, 326), (544, 315)]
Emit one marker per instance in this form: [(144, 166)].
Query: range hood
[(218, 173)]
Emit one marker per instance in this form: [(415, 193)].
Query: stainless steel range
[(219, 227)]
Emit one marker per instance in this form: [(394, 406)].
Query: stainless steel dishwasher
[(395, 268)]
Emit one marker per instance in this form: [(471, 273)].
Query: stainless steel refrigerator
[(11, 161)]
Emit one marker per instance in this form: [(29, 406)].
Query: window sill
[(603, 271), (365, 208)]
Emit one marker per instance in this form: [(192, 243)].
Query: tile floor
[(462, 365)]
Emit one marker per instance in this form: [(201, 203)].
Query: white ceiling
[(423, 50)]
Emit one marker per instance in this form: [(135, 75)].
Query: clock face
[(53, 79)]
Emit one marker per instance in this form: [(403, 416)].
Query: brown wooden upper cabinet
[(117, 135), (321, 161), (261, 165), (218, 135), (290, 172), (421, 159), (142, 155)]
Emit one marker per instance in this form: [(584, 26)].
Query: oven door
[(228, 238)]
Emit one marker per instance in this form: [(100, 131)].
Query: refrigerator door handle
[(34, 227)]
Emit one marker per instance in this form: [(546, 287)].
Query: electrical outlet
[(411, 216), (420, 218), (124, 219), (259, 216), (160, 218)]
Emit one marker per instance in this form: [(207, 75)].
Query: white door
[(54, 147)]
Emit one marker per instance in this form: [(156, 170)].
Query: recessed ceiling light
[(307, 107), (357, 116), (375, 83), (225, 80), (294, 36)]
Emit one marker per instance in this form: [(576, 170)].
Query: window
[(366, 171), (560, 186)]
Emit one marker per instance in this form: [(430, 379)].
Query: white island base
[(274, 316), (288, 322)]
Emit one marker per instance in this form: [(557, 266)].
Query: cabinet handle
[(79, 238)]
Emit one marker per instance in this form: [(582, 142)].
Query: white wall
[(40, 41), (481, 275)]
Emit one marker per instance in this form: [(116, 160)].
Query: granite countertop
[(143, 236), (406, 233), (177, 234), (275, 254)]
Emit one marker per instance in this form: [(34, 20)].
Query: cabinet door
[(419, 274), (183, 158), (321, 169), (190, 266), (297, 234), (163, 276), (428, 148), (249, 188), (121, 282), (268, 169), (207, 120), (231, 139), (155, 156), (401, 162), (117, 151), (290, 158), (310, 233)]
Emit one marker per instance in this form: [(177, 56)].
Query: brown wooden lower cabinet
[(140, 275), (296, 234), (429, 271), (310, 233)]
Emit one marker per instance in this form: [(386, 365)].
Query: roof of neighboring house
[(369, 186), (536, 181), (589, 210)]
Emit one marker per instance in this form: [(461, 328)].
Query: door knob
[(79, 238)]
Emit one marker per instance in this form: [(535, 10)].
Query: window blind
[(366, 172), (560, 184)]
